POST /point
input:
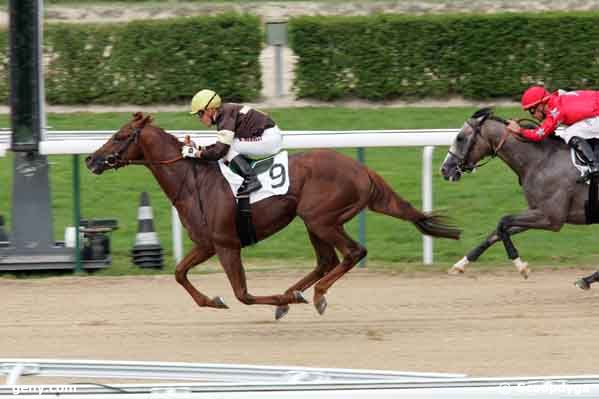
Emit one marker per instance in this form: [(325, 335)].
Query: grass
[(475, 203)]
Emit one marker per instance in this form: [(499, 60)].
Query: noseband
[(116, 161), (463, 164)]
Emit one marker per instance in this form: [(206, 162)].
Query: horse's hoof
[(321, 305), (522, 267), (281, 312), (582, 284), (219, 303), (299, 297), (525, 272), (455, 271)]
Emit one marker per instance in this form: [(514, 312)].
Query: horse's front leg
[(196, 256), (532, 219), (230, 259), (459, 267)]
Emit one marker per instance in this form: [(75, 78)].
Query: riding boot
[(243, 169), (584, 149)]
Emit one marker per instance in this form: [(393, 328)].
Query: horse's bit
[(463, 165), (114, 160)]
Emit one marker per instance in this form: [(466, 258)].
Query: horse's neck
[(522, 156), (172, 177)]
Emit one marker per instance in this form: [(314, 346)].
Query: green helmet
[(203, 100)]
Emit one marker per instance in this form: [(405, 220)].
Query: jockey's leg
[(584, 149), (268, 144), (250, 180)]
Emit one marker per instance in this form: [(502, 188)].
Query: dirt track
[(481, 324)]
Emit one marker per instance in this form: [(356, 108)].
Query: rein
[(114, 160), (477, 131)]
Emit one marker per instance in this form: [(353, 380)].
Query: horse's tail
[(384, 200)]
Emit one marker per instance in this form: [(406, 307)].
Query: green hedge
[(147, 62), (387, 57)]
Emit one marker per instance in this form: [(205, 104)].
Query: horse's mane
[(140, 121), (551, 141), (486, 112)]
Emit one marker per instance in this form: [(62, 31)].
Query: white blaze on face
[(453, 148)]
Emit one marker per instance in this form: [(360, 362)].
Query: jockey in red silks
[(577, 110)]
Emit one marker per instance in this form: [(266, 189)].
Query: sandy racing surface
[(480, 324)]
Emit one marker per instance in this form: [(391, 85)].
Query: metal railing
[(191, 380)]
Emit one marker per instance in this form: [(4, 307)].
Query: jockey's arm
[(550, 123), (216, 151)]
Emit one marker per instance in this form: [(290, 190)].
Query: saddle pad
[(275, 179)]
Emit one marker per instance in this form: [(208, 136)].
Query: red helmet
[(534, 95)]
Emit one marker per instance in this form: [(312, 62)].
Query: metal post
[(278, 70), (276, 36), (427, 200), (15, 373), (362, 215), (177, 241), (77, 212)]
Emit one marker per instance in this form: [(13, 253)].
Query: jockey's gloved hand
[(188, 151)]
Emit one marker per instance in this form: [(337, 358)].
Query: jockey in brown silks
[(242, 132), (577, 110)]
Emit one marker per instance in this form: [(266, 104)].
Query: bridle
[(116, 161), (463, 164)]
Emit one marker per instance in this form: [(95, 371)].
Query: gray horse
[(541, 167)]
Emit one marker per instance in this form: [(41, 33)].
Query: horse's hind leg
[(473, 255), (585, 282), (197, 255), (326, 259), (231, 262), (352, 253)]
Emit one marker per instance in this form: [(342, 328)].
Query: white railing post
[(427, 200), (177, 240)]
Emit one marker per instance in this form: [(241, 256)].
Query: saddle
[(273, 173)]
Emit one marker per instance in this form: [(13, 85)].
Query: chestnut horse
[(326, 190)]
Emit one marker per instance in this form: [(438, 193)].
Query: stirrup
[(587, 176), (249, 187)]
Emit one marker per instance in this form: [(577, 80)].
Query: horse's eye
[(460, 139)]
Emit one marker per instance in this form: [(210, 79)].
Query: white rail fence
[(197, 380), (66, 142)]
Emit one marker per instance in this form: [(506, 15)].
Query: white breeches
[(586, 128), (268, 144)]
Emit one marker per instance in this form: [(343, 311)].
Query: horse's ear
[(147, 120), (137, 116)]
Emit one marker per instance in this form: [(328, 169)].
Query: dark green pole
[(77, 212), (362, 215)]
